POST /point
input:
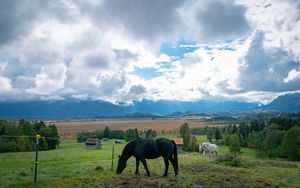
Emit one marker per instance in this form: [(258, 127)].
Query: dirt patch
[(193, 175), (154, 181)]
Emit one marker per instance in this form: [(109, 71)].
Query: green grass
[(73, 166)]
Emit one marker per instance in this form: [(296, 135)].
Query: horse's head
[(201, 148), (121, 164)]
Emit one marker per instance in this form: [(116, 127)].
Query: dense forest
[(21, 136), (277, 137)]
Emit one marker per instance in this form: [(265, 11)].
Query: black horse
[(142, 149)]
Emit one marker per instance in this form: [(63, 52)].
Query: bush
[(232, 160), (11, 146), (193, 144), (83, 136), (290, 147), (131, 134), (185, 133), (234, 144)]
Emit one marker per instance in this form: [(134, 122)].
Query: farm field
[(73, 166), (158, 125)]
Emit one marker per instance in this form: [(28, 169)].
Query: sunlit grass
[(71, 165)]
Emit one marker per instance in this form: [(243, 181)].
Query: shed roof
[(178, 141), (92, 141)]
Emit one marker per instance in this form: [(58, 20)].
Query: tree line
[(20, 136), (277, 137), (128, 135)]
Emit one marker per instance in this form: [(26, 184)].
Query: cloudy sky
[(125, 50)]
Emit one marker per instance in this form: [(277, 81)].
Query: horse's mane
[(130, 146)]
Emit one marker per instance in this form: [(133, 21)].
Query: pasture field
[(159, 125), (73, 166)]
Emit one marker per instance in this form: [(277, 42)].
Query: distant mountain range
[(72, 109), (285, 103)]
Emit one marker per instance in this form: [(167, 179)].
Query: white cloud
[(292, 76), (245, 49), (5, 84), (50, 79)]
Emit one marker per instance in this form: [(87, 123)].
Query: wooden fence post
[(36, 156), (112, 157)]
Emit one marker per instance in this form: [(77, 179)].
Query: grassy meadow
[(71, 165)]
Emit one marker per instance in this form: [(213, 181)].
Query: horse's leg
[(145, 166), (137, 166), (174, 165), (166, 166), (203, 153)]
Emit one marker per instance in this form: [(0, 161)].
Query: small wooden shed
[(178, 142), (92, 143)]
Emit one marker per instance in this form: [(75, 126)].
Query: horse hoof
[(165, 175)]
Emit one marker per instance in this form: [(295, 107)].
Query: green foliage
[(268, 141), (131, 134), (290, 147), (186, 135), (284, 123), (83, 136), (113, 134), (210, 134), (234, 144), (106, 132), (15, 136), (232, 160), (218, 135), (251, 140), (225, 138), (193, 144), (244, 131), (150, 133), (11, 146)]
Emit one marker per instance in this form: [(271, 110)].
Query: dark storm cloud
[(137, 90), (143, 19), (124, 54), (100, 61), (221, 19), (15, 19), (266, 69)]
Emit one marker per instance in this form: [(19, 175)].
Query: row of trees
[(20, 136), (278, 137), (128, 135)]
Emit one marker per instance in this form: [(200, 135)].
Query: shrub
[(232, 160), (193, 144), (234, 144)]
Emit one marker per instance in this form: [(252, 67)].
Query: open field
[(158, 125), (73, 166)]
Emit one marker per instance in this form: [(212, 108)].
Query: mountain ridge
[(83, 109)]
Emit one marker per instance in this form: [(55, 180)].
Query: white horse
[(209, 148)]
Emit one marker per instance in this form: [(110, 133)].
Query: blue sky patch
[(177, 50), (146, 73)]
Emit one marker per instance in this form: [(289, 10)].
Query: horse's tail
[(175, 153)]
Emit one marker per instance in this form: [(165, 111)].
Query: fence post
[(36, 156), (112, 157)]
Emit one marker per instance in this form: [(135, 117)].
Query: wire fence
[(58, 157), (25, 136)]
